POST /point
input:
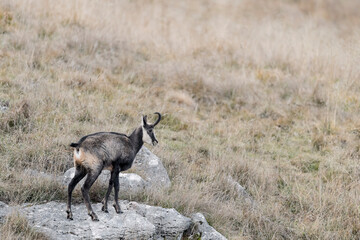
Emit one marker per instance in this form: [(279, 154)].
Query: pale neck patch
[(77, 153), (146, 138)]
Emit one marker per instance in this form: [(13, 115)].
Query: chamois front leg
[(106, 198), (116, 188), (91, 177), (80, 173)]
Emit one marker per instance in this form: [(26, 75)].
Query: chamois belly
[(126, 161), (124, 164), (124, 167), (109, 167)]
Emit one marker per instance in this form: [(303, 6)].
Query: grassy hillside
[(265, 91)]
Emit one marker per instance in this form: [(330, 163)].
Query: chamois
[(107, 150)]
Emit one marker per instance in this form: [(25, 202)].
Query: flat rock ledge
[(138, 221)]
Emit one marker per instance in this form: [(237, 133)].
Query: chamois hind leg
[(106, 198), (116, 188), (80, 173), (90, 179)]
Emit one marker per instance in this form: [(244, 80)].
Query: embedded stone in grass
[(4, 106), (202, 230), (241, 190), (4, 210)]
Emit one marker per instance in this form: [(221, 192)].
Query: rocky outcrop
[(138, 221)]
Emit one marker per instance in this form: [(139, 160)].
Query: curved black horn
[(157, 121)]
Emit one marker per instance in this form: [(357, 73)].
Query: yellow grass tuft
[(17, 227)]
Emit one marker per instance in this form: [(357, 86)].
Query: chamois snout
[(148, 130)]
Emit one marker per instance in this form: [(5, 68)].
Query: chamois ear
[(144, 120)]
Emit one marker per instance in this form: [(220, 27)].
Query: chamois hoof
[(69, 215), (94, 217), (117, 209), (104, 209)]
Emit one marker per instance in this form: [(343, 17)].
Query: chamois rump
[(107, 150)]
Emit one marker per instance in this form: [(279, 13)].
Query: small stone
[(4, 106), (242, 193), (203, 230), (4, 210)]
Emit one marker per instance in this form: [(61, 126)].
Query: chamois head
[(148, 133)]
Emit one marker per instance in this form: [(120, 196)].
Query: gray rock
[(139, 221), (169, 223), (242, 193), (50, 218), (151, 168), (4, 210), (4, 106), (130, 183), (201, 229)]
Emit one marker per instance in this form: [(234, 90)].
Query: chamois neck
[(136, 138)]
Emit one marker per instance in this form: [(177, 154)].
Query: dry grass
[(17, 227), (264, 91)]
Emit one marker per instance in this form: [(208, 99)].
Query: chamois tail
[(74, 145)]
